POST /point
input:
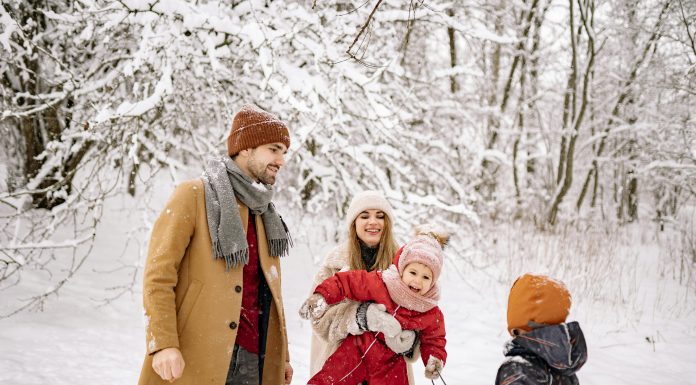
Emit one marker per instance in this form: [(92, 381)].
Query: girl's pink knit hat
[(425, 248)]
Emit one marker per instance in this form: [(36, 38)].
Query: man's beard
[(260, 172)]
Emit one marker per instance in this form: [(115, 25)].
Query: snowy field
[(640, 327)]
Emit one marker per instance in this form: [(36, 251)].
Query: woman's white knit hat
[(368, 200)]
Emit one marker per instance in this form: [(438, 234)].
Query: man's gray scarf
[(223, 181)]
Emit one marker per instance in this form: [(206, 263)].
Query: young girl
[(408, 290)]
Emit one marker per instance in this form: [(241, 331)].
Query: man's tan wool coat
[(193, 303)]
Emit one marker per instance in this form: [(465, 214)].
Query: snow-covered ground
[(79, 339)]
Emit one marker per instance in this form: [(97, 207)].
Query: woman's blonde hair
[(385, 252)]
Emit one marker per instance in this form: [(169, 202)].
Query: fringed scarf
[(224, 182), (404, 297)]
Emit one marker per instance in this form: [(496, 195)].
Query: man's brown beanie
[(253, 127), (537, 299)]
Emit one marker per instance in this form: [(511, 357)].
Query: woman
[(370, 245)]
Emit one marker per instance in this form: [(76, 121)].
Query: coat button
[(238, 289), (233, 325)]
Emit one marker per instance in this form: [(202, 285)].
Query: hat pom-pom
[(440, 234)]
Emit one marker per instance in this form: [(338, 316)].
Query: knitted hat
[(423, 249), (253, 127), (537, 299), (368, 200)]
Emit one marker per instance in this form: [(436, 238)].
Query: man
[(211, 286)]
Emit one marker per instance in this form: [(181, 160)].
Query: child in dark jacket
[(544, 349), (408, 290)]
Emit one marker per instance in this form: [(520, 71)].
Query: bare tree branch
[(364, 27), (686, 25)]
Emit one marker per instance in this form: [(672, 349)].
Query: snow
[(318, 308), (9, 26), (83, 338), (163, 87), (470, 28), (634, 303), (273, 273), (50, 244)]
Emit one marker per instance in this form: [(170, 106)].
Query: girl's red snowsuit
[(380, 365)]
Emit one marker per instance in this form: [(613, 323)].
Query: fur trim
[(336, 260)]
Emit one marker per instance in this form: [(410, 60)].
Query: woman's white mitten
[(314, 307)]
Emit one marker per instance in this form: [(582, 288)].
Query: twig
[(72, 243), (686, 24), (362, 30)]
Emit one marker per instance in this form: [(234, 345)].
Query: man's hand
[(314, 307), (402, 342), (288, 373), (378, 320), (169, 364), (433, 368)]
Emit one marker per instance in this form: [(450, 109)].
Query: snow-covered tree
[(536, 109)]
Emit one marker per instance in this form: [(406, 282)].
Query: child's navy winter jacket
[(550, 355)]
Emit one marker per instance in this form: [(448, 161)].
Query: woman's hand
[(314, 307)]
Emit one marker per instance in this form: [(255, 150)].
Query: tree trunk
[(308, 188), (566, 173), (595, 185), (487, 184), (453, 53), (632, 197), (45, 125), (407, 39), (626, 91), (520, 123), (488, 177), (530, 166), (527, 16)]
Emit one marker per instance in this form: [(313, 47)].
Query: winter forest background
[(548, 135)]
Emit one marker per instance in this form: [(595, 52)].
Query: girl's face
[(369, 226), (418, 277)]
